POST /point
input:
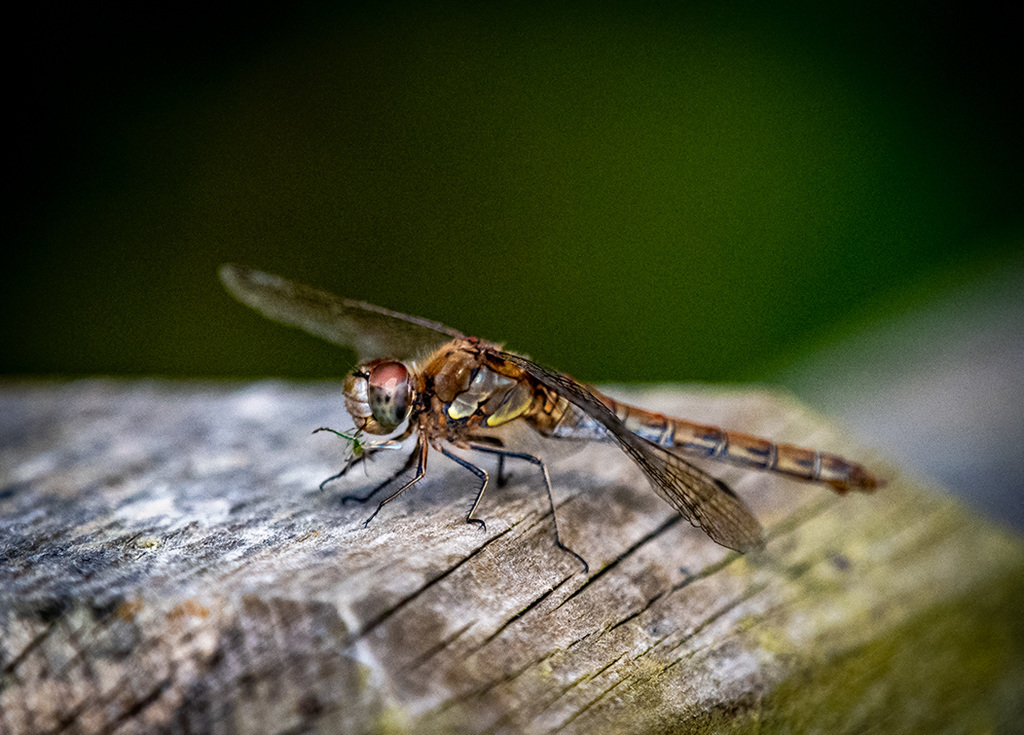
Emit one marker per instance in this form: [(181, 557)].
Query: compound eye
[(389, 392)]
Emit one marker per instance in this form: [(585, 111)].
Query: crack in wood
[(672, 521), (100, 702), (507, 717), (71, 717), (481, 691), (752, 591), (590, 704), (540, 518), (517, 616), (696, 631), (89, 673), (9, 669), (387, 613), (81, 657), (441, 645), (140, 705), (637, 613), (718, 614), (512, 676), (562, 692), (579, 640), (579, 680), (702, 574), (597, 673)]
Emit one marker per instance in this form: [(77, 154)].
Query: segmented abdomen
[(711, 442)]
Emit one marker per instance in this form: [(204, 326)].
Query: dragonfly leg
[(421, 471), (409, 462), (495, 442), (502, 477), (344, 470), (481, 475), (547, 487)]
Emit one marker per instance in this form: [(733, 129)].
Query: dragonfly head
[(378, 396)]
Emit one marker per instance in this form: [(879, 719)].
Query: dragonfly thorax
[(378, 396)]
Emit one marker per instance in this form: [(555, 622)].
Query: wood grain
[(167, 564)]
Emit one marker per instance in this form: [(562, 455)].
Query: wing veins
[(372, 331), (700, 498)]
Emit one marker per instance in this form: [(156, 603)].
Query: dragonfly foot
[(372, 516), (478, 522), (332, 478), (563, 547)]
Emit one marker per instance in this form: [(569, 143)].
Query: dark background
[(666, 192)]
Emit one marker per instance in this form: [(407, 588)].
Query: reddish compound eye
[(387, 375), (389, 393)]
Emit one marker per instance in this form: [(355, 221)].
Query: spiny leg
[(481, 475), (496, 443), (421, 471), (547, 487), (409, 462)]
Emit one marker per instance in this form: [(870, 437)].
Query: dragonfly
[(419, 377)]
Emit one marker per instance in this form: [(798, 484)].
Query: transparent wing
[(371, 330), (700, 498)]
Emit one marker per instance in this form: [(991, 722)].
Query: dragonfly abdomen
[(745, 450)]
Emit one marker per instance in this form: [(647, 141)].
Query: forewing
[(700, 498), (372, 331)]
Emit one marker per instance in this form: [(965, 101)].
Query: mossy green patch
[(957, 668)]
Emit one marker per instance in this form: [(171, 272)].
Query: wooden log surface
[(167, 564)]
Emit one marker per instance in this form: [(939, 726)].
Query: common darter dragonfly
[(453, 390)]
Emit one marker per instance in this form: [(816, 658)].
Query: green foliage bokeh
[(667, 193)]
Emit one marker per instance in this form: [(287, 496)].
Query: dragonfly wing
[(700, 498), (372, 331)]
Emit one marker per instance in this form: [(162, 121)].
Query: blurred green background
[(676, 191)]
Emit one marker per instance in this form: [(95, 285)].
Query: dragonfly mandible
[(449, 389)]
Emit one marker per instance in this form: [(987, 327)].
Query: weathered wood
[(168, 565)]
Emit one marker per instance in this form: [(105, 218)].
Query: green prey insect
[(359, 450)]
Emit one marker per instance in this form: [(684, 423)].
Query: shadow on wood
[(169, 566)]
